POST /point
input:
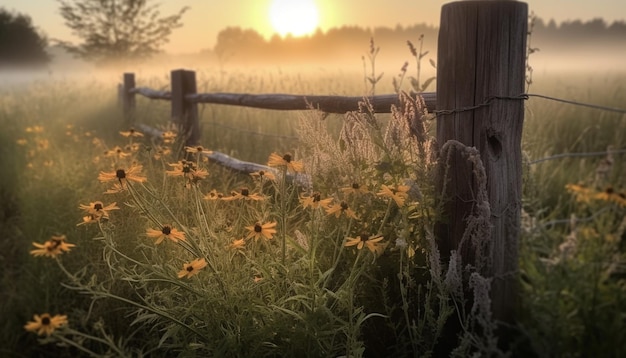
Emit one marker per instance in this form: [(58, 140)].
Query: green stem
[(80, 347), (283, 215), (382, 223)]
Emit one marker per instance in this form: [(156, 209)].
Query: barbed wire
[(576, 103), (525, 96), (580, 154)]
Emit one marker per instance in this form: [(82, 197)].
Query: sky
[(207, 17)]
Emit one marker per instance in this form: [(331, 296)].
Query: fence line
[(291, 104)]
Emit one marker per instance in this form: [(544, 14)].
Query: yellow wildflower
[(286, 161), (192, 268), (259, 230), (166, 232), (45, 324)]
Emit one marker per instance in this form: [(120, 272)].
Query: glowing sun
[(295, 17)]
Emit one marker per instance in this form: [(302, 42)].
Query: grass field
[(271, 271)]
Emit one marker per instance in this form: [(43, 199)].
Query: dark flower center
[(610, 190), (258, 227), (166, 230), (261, 173), (189, 268), (355, 186), (317, 197), (120, 174), (344, 206), (199, 149), (287, 157), (45, 321), (364, 237), (97, 206), (245, 192)]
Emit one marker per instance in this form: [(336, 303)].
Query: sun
[(295, 17)]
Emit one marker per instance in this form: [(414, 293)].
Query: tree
[(117, 31), (20, 42)]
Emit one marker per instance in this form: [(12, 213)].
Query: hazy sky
[(207, 17)]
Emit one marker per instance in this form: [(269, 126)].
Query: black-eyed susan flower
[(372, 242), (192, 268), (238, 244), (355, 188), (133, 147), (243, 194), (398, 193), (34, 129), (259, 230), (198, 149), (53, 247), (133, 174), (263, 175), (213, 195), (131, 132), (611, 195), (45, 324), (168, 137), (341, 208), (166, 232), (314, 201), (582, 193), (286, 161), (116, 152), (98, 210), (188, 170), (161, 152)]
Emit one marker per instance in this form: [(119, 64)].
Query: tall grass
[(302, 292)]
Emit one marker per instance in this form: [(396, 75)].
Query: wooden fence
[(481, 57)]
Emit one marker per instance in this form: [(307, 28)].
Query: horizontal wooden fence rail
[(280, 101)]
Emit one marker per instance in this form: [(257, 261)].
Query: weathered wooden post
[(481, 54), (128, 97), (185, 113)]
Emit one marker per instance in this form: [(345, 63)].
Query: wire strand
[(525, 96)]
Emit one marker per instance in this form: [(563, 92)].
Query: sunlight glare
[(295, 17)]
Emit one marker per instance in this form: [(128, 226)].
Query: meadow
[(176, 256)]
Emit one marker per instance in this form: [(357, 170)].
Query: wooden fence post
[(481, 54), (185, 113), (128, 98)]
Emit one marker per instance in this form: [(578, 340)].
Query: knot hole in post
[(494, 143)]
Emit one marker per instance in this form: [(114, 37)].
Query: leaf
[(427, 83), (432, 63), (423, 54)]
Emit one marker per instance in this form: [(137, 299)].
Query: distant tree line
[(235, 44)]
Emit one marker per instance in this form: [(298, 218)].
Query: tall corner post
[(481, 54), (128, 97), (184, 112)]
